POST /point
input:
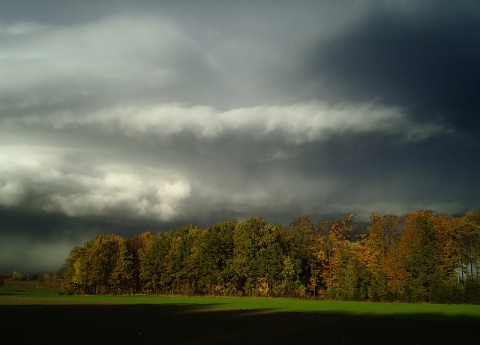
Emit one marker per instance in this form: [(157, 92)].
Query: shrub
[(448, 292), (472, 292)]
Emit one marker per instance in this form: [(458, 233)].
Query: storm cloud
[(125, 118)]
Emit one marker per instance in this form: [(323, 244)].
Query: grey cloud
[(124, 118), (103, 176), (299, 122), (400, 56), (116, 59)]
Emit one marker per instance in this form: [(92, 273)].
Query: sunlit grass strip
[(24, 295)]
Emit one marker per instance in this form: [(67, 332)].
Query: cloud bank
[(122, 118)]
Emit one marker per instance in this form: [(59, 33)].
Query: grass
[(39, 295), (53, 318)]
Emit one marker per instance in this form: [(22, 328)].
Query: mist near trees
[(420, 257)]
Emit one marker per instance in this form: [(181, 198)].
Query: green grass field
[(55, 318), (30, 295)]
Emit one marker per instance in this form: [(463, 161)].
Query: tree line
[(422, 256)]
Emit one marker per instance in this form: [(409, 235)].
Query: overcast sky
[(127, 116)]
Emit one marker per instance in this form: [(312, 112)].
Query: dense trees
[(423, 256), (103, 265)]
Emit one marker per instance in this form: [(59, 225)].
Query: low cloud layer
[(125, 118)]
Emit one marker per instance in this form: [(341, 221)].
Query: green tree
[(180, 272), (121, 277), (381, 239), (75, 272), (215, 253), (258, 258), (153, 263), (191, 261), (137, 245), (422, 260), (340, 274), (298, 242)]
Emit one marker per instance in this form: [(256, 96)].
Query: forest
[(423, 256)]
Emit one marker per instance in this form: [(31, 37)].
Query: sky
[(127, 116)]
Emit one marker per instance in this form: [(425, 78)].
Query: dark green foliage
[(421, 263), (258, 257), (472, 292), (297, 243), (213, 254), (450, 292)]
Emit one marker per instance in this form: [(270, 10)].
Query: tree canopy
[(422, 256)]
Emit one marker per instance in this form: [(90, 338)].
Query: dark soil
[(181, 324)]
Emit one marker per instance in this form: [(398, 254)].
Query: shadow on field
[(193, 324)]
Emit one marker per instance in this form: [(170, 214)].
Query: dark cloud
[(121, 117), (424, 61), (34, 242)]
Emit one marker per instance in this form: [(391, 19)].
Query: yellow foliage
[(263, 287)]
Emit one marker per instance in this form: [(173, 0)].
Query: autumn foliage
[(422, 256)]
